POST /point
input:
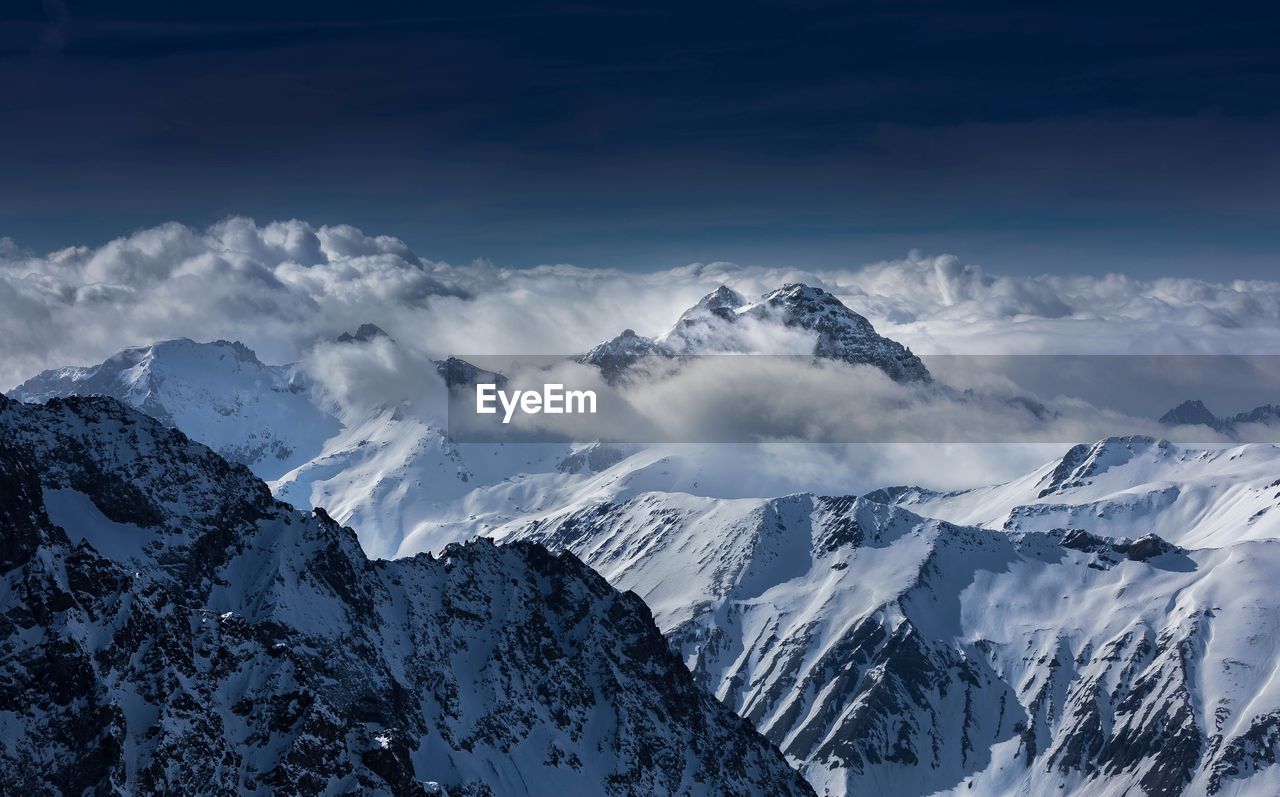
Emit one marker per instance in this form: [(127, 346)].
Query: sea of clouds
[(283, 286), (287, 289)]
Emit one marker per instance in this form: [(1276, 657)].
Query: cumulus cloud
[(283, 287)]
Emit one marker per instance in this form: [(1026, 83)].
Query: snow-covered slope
[(384, 471), (393, 474), (166, 626), (219, 393), (1102, 625), (886, 653), (1128, 487)]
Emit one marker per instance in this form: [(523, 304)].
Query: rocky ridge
[(167, 626)]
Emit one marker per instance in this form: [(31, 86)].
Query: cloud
[(356, 379), (940, 305), (739, 399), (283, 287), (288, 288)]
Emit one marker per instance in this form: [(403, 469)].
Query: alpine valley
[(1106, 624)]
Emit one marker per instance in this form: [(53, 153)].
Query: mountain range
[(392, 473), (1193, 412), (1102, 625)]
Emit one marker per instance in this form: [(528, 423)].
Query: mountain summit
[(219, 393), (1190, 413), (364, 334), (724, 322), (842, 334)]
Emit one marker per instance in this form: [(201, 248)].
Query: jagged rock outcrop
[(1190, 412)]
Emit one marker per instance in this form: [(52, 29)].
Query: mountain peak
[(1190, 413), (799, 290), (722, 300), (842, 334), (722, 304), (1195, 413), (218, 392), (364, 334), (806, 304), (615, 356), (712, 326), (1084, 461), (1266, 414)]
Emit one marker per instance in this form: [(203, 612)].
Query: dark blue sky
[(1085, 138)]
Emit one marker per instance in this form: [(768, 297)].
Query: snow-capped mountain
[(394, 475), (380, 471), (888, 653), (260, 415), (1098, 626), (166, 626), (363, 334), (1127, 487), (614, 356), (800, 319), (841, 333)]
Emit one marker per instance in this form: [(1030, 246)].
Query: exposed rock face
[(702, 328), (1265, 414), (842, 334), (594, 458), (167, 627), (1126, 488), (380, 470)]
